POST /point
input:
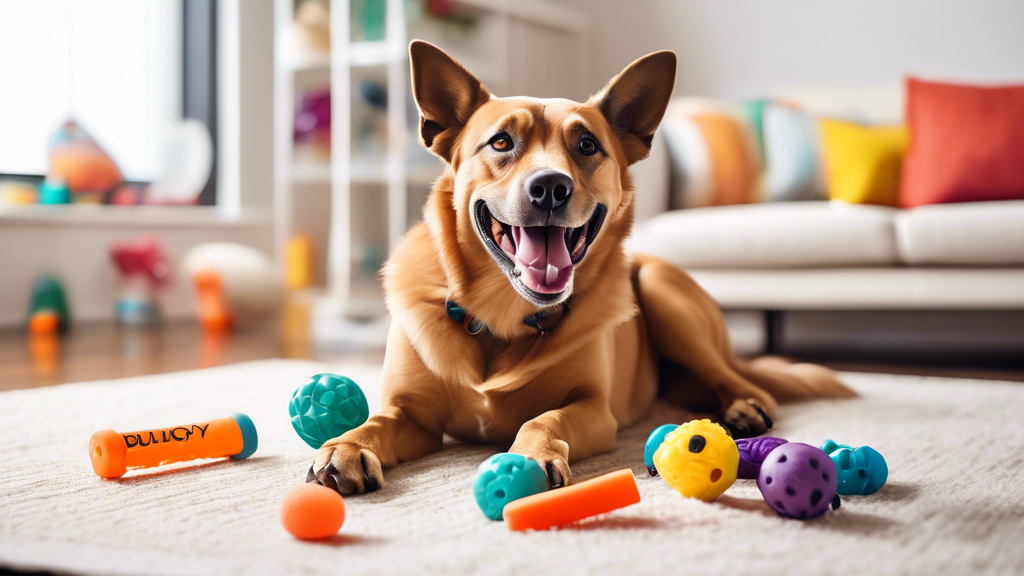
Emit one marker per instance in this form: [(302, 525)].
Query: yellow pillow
[(862, 163)]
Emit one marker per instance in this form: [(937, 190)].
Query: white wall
[(733, 48)]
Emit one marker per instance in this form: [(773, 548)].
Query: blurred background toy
[(653, 443), (861, 471), (79, 162), (798, 481), (312, 512), (506, 477), (113, 453), (698, 459), (298, 262), (142, 270), (17, 193), (48, 311), (240, 280), (325, 407), (753, 451), (313, 124), (54, 192)]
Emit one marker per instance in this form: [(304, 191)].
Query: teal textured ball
[(325, 407), (505, 477)]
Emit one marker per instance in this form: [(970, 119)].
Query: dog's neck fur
[(463, 271)]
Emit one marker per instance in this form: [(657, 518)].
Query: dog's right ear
[(446, 94)]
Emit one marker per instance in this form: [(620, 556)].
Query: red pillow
[(966, 144)]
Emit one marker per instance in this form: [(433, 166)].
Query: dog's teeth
[(517, 272)]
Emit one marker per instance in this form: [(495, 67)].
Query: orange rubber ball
[(312, 512)]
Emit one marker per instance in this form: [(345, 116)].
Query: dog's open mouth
[(542, 258)]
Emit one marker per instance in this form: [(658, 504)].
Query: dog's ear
[(446, 94), (634, 101)]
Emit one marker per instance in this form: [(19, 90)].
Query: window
[(117, 67)]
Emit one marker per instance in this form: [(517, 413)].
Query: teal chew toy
[(653, 443), (861, 471), (325, 407), (505, 477)]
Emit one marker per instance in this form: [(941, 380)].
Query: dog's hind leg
[(686, 327)]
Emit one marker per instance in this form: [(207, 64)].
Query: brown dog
[(517, 316)]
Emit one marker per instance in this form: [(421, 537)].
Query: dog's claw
[(555, 479), (767, 419)]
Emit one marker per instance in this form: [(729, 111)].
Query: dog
[(517, 316)]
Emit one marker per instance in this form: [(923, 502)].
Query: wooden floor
[(104, 350)]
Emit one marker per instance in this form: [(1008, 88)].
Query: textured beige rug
[(954, 503)]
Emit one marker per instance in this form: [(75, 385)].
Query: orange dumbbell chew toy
[(114, 453), (575, 502)]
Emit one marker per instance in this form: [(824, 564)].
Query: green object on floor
[(48, 296)]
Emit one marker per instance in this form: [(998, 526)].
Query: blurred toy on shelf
[(313, 124), (143, 269), (48, 311), (311, 27), (17, 193), (298, 262), (77, 161), (186, 163), (235, 284), (367, 17), (54, 192)]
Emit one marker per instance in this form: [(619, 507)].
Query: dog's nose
[(549, 189)]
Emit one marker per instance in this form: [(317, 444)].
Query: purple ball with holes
[(798, 481), (753, 451)]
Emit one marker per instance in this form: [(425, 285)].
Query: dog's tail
[(789, 382)]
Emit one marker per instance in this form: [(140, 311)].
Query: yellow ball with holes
[(698, 460)]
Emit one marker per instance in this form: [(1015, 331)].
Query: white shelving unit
[(350, 308)]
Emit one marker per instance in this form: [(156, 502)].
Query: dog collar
[(544, 321)]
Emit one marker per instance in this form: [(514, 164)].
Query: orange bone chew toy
[(113, 453), (575, 502)]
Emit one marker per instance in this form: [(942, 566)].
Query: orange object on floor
[(113, 453), (576, 502), (44, 323), (213, 308), (312, 512)]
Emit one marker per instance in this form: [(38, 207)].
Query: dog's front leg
[(582, 428), (409, 425)]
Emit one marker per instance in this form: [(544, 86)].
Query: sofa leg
[(773, 331)]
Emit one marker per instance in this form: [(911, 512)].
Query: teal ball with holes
[(505, 477), (325, 407)]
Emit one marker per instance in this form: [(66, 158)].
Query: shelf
[(373, 53), (365, 171), (307, 62), (105, 215), (312, 172)]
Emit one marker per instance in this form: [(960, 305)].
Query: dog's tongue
[(543, 257)]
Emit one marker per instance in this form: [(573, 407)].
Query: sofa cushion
[(974, 234), (771, 235), (966, 144)]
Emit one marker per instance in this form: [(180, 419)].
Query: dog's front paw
[(346, 468), (554, 464), (746, 419)]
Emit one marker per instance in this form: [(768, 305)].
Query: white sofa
[(832, 278)]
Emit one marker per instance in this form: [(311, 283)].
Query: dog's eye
[(502, 143), (587, 146)]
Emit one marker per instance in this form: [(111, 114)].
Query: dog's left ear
[(446, 94), (634, 101)]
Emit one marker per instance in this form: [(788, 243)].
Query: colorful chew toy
[(312, 512), (503, 478), (861, 470), (798, 481), (698, 460), (575, 502), (753, 451), (325, 407), (653, 443), (113, 453)]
